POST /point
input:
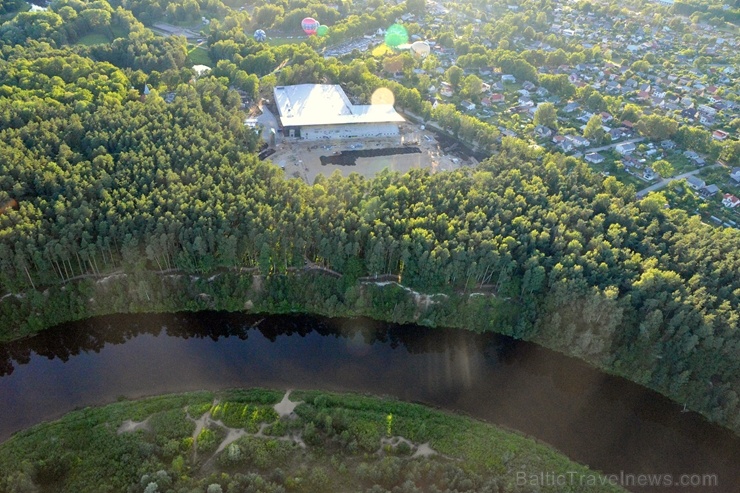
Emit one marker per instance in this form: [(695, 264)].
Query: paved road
[(610, 146), (665, 181)]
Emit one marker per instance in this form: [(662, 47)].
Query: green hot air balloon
[(396, 35), (322, 31)]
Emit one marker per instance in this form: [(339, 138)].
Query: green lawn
[(93, 39), (199, 56), (286, 41), (681, 164), (118, 32)]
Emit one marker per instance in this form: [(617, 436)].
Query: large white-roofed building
[(323, 111)]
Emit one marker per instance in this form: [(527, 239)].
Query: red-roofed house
[(719, 135), (497, 98), (730, 201)]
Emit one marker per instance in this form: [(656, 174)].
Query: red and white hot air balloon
[(310, 25)]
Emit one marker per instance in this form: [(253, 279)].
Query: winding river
[(605, 422)]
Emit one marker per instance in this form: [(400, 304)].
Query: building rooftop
[(326, 104)]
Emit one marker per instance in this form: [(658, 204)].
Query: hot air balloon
[(396, 35), (322, 30), (310, 25), (420, 49), (260, 35)]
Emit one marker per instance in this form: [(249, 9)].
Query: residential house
[(689, 114), (720, 135), (577, 140), (709, 191), (594, 157), (730, 201), (523, 108), (617, 133), (735, 174), (542, 132), (584, 117), (571, 107), (643, 96), (625, 148), (613, 87), (631, 162), (695, 182), (706, 120), (497, 98), (562, 143), (566, 146), (707, 110), (508, 78)]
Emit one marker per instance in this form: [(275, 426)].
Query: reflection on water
[(605, 422)]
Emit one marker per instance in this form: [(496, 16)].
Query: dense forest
[(104, 193)]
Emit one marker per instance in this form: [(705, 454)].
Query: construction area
[(313, 129), (413, 147)]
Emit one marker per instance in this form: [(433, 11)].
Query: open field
[(93, 39), (278, 41), (199, 55)]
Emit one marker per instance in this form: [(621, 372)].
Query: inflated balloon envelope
[(396, 35), (309, 25)]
